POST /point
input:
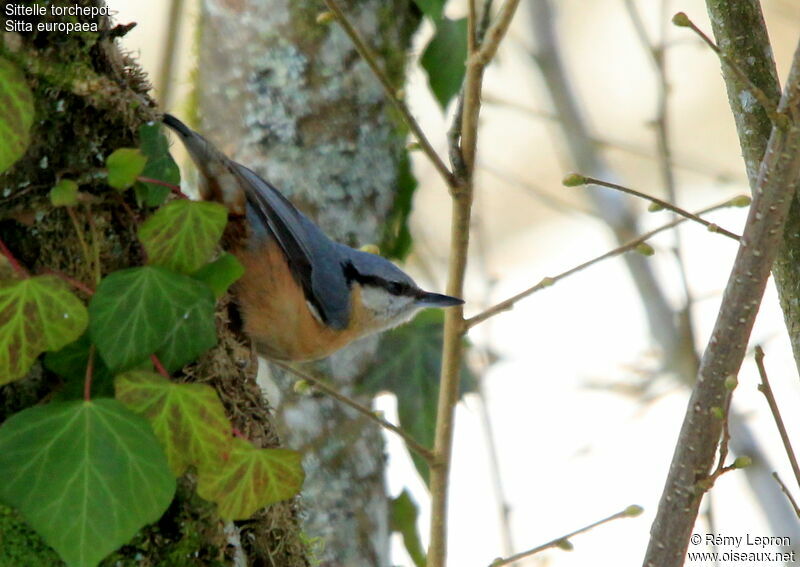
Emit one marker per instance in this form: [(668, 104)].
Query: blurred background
[(577, 416)]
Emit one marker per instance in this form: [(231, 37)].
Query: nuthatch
[(303, 296)]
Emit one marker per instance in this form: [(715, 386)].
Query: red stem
[(159, 366), (22, 272), (87, 382), (174, 188), (71, 281)]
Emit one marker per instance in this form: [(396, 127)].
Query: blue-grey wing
[(314, 259)]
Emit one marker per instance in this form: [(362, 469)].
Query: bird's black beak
[(428, 299)]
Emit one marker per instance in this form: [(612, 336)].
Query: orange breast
[(276, 316)]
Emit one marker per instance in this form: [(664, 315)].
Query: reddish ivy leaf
[(188, 419), (36, 314), (250, 479)]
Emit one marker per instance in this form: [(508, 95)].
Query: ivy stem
[(174, 188), (159, 367), (22, 272), (87, 381), (77, 284)]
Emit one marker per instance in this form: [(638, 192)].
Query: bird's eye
[(394, 288)]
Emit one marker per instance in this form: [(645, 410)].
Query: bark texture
[(740, 31), (90, 99), (291, 99)]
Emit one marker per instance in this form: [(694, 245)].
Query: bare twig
[(682, 20), (509, 303), (766, 389), (788, 494), (412, 443), (658, 53), (482, 51), (577, 179), (778, 180), (563, 541), (391, 92)]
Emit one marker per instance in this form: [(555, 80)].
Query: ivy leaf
[(396, 242), (220, 274), (404, 512), (36, 314), (160, 165), (140, 311), (70, 363), (444, 59), (188, 419), (182, 235), (250, 479), (408, 365), (64, 193), (16, 114), (432, 8), (124, 166), (85, 475)]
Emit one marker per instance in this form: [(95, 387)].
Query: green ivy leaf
[(140, 311), (124, 166), (444, 59), (36, 314), (85, 475), (16, 114), (251, 479), (160, 165), (188, 419), (70, 363), (397, 241), (220, 274), (408, 365), (64, 193), (432, 8), (404, 512), (182, 235)]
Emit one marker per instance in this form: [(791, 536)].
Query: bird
[(302, 296)]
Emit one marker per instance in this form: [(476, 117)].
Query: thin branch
[(766, 389), (686, 163), (657, 55), (462, 194), (412, 443), (788, 494), (563, 541), (372, 60), (509, 303), (682, 20), (778, 180), (495, 33), (577, 179)]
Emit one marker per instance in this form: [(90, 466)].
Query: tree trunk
[(291, 99)]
